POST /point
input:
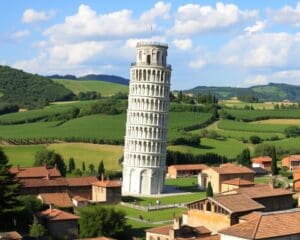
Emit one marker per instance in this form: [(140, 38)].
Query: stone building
[(218, 175), (147, 117), (283, 225), (185, 170), (60, 224), (106, 191), (292, 162)]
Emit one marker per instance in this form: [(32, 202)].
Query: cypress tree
[(209, 190), (9, 191), (83, 167), (101, 169), (274, 168), (71, 165)]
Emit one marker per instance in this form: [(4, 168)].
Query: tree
[(292, 131), (255, 139), (37, 230), (101, 169), (102, 221), (209, 190), (9, 191), (83, 167), (274, 168), (244, 158), (92, 169), (71, 165), (51, 159)]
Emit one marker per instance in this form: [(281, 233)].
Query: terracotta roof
[(230, 168), (10, 235), (292, 158), (189, 166), (81, 181), (236, 203), (250, 216), (185, 230), (267, 225), (238, 182), (108, 183), (261, 159), (262, 191), (43, 182), (57, 215), (79, 198), (57, 199), (35, 172)]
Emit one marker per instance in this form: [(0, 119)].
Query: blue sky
[(215, 43)]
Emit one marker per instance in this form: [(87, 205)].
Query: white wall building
[(147, 117)]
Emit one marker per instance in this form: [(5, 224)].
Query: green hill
[(105, 88), (270, 92), (29, 90)]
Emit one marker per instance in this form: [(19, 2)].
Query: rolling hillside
[(270, 92), (29, 90), (102, 87)]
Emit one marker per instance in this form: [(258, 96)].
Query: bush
[(285, 172), (192, 140), (255, 139), (292, 131)]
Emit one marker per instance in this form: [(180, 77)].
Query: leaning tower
[(147, 116)]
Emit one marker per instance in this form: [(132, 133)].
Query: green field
[(104, 88), (24, 155), (228, 147), (236, 104)]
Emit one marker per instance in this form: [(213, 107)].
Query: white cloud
[(86, 24), (183, 44), (262, 50), (259, 26), (256, 80), (20, 34), (286, 15), (194, 18), (198, 63), (31, 16)]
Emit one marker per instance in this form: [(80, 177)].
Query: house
[(291, 162), (271, 225), (106, 191), (60, 224), (273, 199), (10, 236), (235, 183), (219, 212), (263, 162), (177, 231), (35, 172), (61, 200), (296, 182), (184, 170), (217, 175), (79, 201), (81, 186)]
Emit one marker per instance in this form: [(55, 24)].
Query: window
[(208, 206), (148, 59)]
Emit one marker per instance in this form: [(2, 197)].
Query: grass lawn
[(105, 88), (22, 155), (290, 144), (229, 147), (263, 180), (138, 228), (90, 153)]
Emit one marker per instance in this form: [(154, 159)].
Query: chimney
[(55, 165), (102, 177), (272, 183), (177, 223), (50, 207), (48, 176)]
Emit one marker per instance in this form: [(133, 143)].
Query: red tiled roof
[(261, 159), (230, 168), (238, 182), (267, 226), (189, 166), (81, 181), (57, 215), (57, 199), (35, 172), (250, 216), (108, 183), (262, 191), (10, 235), (43, 182), (292, 158)]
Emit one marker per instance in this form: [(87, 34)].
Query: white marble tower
[(147, 117)]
